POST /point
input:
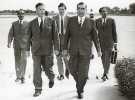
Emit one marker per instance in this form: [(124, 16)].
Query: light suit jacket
[(18, 34)]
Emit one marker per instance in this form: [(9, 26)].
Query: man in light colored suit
[(18, 34), (108, 39), (61, 21), (80, 33), (42, 37)]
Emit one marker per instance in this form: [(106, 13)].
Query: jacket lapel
[(37, 25), (100, 22), (46, 23), (84, 23), (57, 21), (76, 22)]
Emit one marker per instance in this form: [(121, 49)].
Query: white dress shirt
[(81, 20), (21, 21), (104, 20), (39, 20), (61, 17)]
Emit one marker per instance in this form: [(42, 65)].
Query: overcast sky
[(71, 4)]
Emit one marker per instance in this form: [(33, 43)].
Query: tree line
[(115, 11)]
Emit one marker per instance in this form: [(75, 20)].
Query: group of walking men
[(70, 38)]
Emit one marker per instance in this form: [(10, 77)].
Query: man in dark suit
[(108, 39), (80, 33), (42, 37), (18, 34), (61, 21)]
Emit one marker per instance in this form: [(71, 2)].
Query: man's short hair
[(101, 9), (39, 4), (62, 5), (81, 3), (20, 11)]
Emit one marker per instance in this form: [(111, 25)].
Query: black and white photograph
[(67, 50)]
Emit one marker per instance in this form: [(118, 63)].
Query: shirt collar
[(104, 19), (39, 19), (61, 16), (21, 21), (79, 18)]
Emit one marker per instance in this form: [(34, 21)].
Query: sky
[(51, 5)]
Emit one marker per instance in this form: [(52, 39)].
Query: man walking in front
[(18, 34), (80, 33), (108, 39), (61, 21), (42, 38)]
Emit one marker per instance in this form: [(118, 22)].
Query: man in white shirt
[(80, 33), (61, 21)]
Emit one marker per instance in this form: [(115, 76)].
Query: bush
[(125, 74)]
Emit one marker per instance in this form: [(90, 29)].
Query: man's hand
[(99, 53), (115, 46), (9, 45), (27, 53), (56, 52), (64, 53)]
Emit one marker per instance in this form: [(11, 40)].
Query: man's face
[(81, 10), (20, 16), (40, 10), (62, 10), (104, 13)]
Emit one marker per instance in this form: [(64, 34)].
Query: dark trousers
[(42, 62), (106, 57), (20, 62), (79, 67)]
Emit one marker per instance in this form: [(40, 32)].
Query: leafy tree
[(132, 8)]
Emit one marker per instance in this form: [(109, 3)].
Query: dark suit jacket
[(42, 42), (107, 33), (80, 37), (18, 35), (61, 38)]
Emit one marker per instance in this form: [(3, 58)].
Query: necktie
[(20, 21), (104, 21), (20, 26), (61, 25), (81, 22), (41, 25), (104, 24)]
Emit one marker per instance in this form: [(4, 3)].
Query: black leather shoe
[(51, 83), (67, 74), (60, 77), (104, 77), (17, 79), (80, 95), (22, 80), (37, 93)]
